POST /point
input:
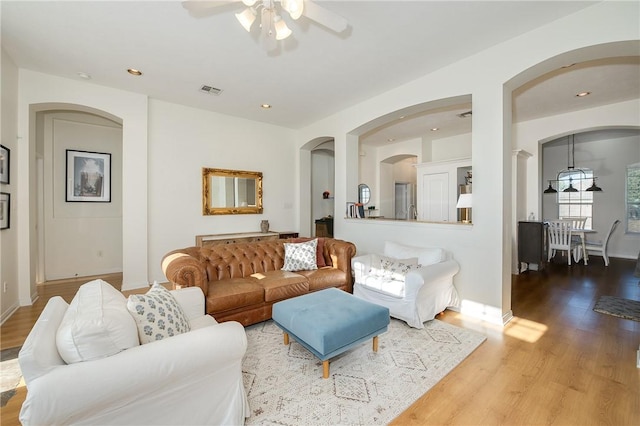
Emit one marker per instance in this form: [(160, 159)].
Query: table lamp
[(465, 202)]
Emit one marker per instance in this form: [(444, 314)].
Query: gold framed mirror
[(231, 192)]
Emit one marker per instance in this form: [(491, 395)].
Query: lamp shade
[(464, 201), (282, 30), (246, 18), (294, 7)]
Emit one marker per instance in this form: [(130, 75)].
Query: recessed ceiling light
[(265, 106), (391, 140), (433, 129), (134, 71), (84, 75), (583, 94)]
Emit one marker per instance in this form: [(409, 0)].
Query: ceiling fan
[(272, 26)]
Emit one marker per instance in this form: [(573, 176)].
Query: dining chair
[(577, 222), (560, 238), (601, 246)]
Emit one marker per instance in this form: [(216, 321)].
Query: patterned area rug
[(618, 307), (284, 384), (10, 374)]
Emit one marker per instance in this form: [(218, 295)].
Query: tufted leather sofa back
[(242, 259)]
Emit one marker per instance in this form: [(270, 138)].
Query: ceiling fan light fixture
[(249, 3), (246, 18), (294, 7), (282, 30)]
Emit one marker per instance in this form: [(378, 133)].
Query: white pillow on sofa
[(97, 324), (426, 255), (300, 256), (157, 314), (391, 268)]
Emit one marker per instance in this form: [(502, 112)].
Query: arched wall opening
[(424, 132), (606, 151), (317, 175), (42, 92), (532, 136), (73, 239)]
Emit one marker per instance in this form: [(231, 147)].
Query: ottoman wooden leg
[(325, 369), (375, 344), (286, 338)]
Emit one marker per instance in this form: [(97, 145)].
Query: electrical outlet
[(4, 287)]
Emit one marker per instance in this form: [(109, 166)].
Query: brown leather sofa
[(242, 281)]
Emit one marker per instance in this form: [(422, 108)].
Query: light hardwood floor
[(558, 361)]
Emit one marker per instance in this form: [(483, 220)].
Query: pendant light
[(571, 170)]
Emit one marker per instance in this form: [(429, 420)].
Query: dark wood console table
[(532, 244)]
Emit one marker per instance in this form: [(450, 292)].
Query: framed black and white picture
[(5, 210), (4, 164), (88, 177)]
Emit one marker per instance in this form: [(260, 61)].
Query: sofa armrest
[(185, 270), (417, 278), (131, 383), (361, 266), (341, 253), (191, 300)]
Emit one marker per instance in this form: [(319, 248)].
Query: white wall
[(9, 237), (182, 141), (484, 249), (458, 146), (80, 238)]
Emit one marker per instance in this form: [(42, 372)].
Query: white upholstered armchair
[(415, 283), (193, 378)]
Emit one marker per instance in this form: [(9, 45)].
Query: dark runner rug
[(618, 307)]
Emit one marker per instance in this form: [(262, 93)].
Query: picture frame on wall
[(4, 164), (5, 210), (88, 176)]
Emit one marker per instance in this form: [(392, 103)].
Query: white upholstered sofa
[(193, 378), (415, 283)]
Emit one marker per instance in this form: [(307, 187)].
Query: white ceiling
[(314, 73)]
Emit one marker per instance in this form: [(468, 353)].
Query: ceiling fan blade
[(199, 5), (324, 17)]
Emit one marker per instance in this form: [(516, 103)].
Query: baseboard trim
[(6, 315)]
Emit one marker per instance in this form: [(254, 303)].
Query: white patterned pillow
[(157, 314), (393, 269), (300, 256)]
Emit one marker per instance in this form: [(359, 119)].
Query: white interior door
[(435, 201)]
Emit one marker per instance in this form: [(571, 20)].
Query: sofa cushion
[(280, 285), (96, 325), (426, 255), (325, 278), (157, 314), (300, 256), (233, 293)]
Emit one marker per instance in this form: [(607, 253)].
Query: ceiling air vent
[(210, 90), (465, 114)]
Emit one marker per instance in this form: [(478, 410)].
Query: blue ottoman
[(329, 322)]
